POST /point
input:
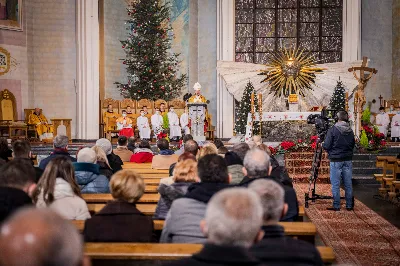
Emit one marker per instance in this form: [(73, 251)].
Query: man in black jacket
[(17, 183), (232, 225), (22, 150), (339, 143), (60, 144), (275, 248), (257, 165)]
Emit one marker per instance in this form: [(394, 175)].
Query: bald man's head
[(39, 237)]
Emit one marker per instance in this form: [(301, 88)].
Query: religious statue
[(359, 96), (43, 129), (197, 97), (124, 125)]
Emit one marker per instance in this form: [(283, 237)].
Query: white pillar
[(87, 37), (351, 30), (226, 52)]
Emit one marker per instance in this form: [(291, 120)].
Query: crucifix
[(359, 97)]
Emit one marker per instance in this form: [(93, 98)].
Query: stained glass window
[(263, 26)]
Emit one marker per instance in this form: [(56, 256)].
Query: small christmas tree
[(152, 69), (338, 101), (244, 109)]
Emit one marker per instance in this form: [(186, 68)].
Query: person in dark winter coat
[(185, 214), (339, 143), (17, 184), (87, 173), (120, 220), (235, 166), (275, 248), (102, 162), (22, 150), (257, 166), (60, 143), (113, 160), (232, 225), (5, 151), (185, 174)]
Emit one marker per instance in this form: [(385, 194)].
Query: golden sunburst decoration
[(292, 71)]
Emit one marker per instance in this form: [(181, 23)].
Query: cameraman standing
[(339, 143)]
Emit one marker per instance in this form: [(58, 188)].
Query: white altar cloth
[(275, 116)]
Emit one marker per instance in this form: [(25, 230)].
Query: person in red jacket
[(143, 154)]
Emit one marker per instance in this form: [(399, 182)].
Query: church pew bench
[(149, 209), (382, 162), (152, 181), (151, 189), (305, 231), (149, 251), (104, 198), (129, 165)]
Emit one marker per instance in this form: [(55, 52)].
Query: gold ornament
[(291, 72)]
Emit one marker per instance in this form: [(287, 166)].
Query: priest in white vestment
[(185, 121), (143, 126), (174, 128), (395, 127), (157, 123), (382, 121)]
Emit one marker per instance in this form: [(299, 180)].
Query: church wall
[(396, 50), (376, 43), (115, 16)]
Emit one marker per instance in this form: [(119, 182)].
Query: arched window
[(263, 26)]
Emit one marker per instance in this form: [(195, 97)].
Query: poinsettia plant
[(370, 137), (162, 135), (289, 146)]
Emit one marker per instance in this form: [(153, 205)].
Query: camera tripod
[(314, 175)]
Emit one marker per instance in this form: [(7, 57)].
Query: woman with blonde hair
[(185, 174), (58, 190), (120, 220), (102, 162), (208, 148)]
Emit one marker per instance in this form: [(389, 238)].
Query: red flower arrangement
[(314, 138), (380, 135), (273, 150), (368, 129), (162, 135), (286, 145)]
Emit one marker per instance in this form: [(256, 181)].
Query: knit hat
[(105, 144), (87, 155)]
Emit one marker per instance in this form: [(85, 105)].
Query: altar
[(281, 126)]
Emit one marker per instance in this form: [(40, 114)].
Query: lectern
[(197, 115)]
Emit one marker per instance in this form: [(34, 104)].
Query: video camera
[(323, 121)]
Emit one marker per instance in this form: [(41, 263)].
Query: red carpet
[(360, 237)]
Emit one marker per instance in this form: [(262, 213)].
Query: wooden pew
[(151, 189), (381, 162), (104, 198), (128, 165), (305, 231), (149, 209), (148, 251)]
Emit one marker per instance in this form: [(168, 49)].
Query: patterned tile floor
[(359, 237)]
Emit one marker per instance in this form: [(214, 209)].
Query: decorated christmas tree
[(152, 68), (338, 101), (244, 109)]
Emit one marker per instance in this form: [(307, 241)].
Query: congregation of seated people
[(228, 200)]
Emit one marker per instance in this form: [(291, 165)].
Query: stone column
[(396, 50), (351, 30), (87, 36), (226, 52)]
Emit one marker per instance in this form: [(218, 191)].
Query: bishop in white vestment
[(156, 123), (174, 128), (185, 122), (395, 126), (382, 121), (143, 126)]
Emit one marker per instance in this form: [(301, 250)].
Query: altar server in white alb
[(185, 121), (156, 122), (174, 128), (395, 129), (143, 126), (382, 121)]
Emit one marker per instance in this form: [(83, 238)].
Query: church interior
[(147, 97)]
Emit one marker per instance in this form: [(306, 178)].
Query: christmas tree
[(338, 101), (244, 109), (151, 67)]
